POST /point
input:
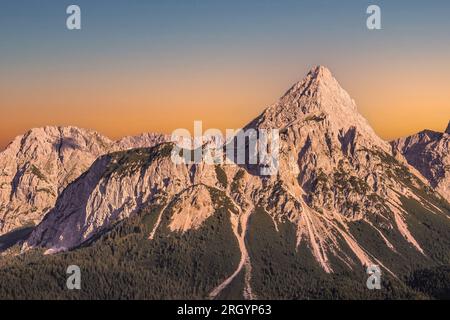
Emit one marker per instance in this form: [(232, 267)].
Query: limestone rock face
[(144, 140), (319, 98), (428, 151), (333, 171), (117, 186), (37, 166), (191, 209)]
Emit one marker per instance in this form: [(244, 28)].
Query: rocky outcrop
[(144, 140), (191, 209), (119, 185), (37, 166), (334, 170), (429, 152)]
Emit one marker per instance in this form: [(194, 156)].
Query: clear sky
[(156, 65)]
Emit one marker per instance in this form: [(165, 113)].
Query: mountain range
[(37, 166), (428, 152), (142, 226)]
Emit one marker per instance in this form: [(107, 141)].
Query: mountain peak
[(320, 73), (319, 96), (319, 78), (448, 128)]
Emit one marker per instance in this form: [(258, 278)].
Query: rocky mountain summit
[(37, 166), (340, 201), (334, 171), (429, 152)]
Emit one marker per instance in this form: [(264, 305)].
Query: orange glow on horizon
[(396, 104)]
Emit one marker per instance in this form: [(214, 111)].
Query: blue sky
[(244, 53)]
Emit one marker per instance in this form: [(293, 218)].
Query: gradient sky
[(156, 65)]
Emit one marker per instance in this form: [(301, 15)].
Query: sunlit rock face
[(37, 166), (428, 152), (333, 171)]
